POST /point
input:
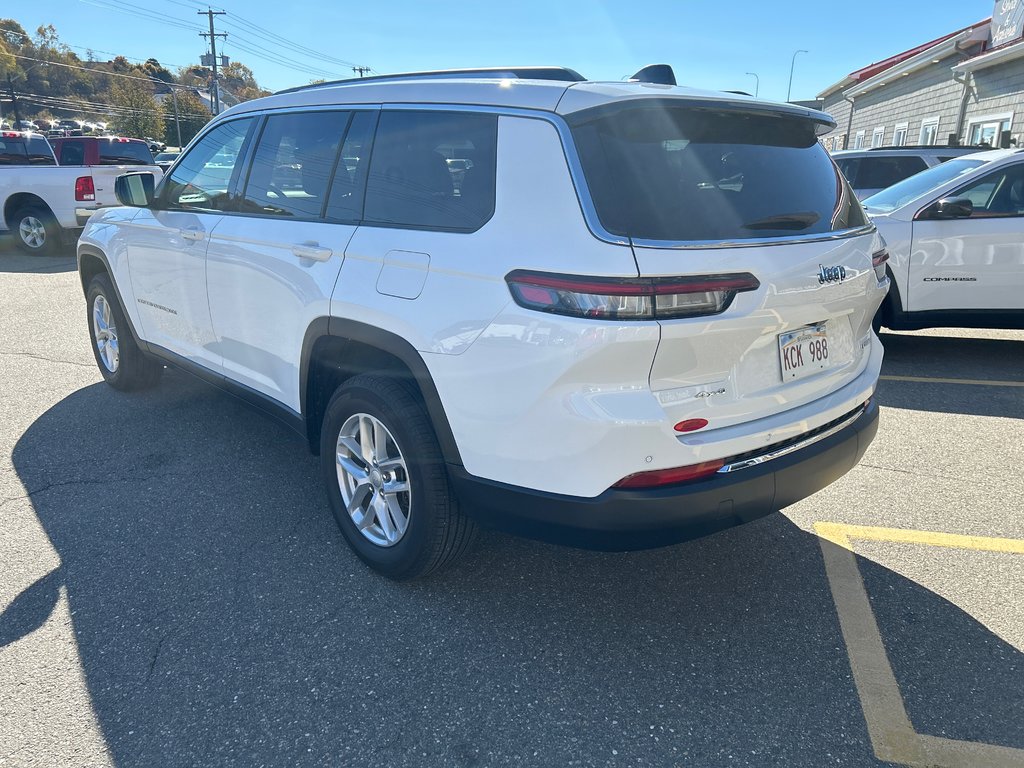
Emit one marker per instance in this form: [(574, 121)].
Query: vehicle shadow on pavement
[(220, 620), (952, 357), (14, 261)]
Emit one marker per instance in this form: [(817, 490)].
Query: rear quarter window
[(668, 172)]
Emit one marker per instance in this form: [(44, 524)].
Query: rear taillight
[(878, 259), (659, 477), (630, 298), (85, 191)]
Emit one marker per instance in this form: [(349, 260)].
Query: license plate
[(803, 352)]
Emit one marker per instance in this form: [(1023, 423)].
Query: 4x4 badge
[(831, 274)]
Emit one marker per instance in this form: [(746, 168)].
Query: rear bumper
[(627, 519)]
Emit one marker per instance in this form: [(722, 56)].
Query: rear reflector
[(610, 298), (85, 191), (690, 425), (878, 259), (660, 477)]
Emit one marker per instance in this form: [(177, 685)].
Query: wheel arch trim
[(391, 344), (92, 252)]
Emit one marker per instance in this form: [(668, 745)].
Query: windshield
[(902, 192), (684, 173)]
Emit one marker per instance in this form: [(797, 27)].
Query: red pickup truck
[(101, 150)]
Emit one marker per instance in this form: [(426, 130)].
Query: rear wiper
[(799, 220)]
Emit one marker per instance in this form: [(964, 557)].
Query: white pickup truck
[(40, 201)]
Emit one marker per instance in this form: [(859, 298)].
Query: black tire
[(133, 369), (437, 533), (41, 223)]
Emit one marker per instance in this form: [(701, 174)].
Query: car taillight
[(628, 298), (659, 477), (85, 190), (878, 259)]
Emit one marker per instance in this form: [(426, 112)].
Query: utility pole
[(215, 90), (177, 121), (14, 101), (361, 70)]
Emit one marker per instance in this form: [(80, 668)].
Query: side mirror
[(949, 208), (135, 189)]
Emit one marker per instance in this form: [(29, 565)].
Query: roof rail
[(562, 74)]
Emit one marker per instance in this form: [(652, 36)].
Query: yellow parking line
[(974, 382), (892, 735)]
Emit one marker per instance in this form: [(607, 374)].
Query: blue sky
[(710, 43)]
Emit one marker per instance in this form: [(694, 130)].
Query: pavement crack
[(34, 356), (156, 655), (913, 473)]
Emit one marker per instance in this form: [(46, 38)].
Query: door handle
[(312, 251), (192, 234)]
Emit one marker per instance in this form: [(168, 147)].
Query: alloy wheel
[(32, 231), (374, 480), (105, 333)]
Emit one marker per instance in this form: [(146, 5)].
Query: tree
[(155, 69), (240, 81), (192, 114), (138, 114)]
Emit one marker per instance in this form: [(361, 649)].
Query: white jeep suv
[(630, 314)]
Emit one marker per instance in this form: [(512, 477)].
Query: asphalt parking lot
[(174, 592)]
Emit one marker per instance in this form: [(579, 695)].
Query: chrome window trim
[(572, 159)]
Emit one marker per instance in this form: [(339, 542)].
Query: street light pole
[(792, 64), (757, 83)]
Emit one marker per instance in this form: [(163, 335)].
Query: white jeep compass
[(612, 314)]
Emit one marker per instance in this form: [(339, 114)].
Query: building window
[(899, 135), (988, 129), (858, 140), (929, 131), (877, 137)]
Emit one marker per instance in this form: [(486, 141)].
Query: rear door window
[(22, 151), (881, 172), (294, 163), (432, 170), (674, 172), (120, 152), (349, 184)]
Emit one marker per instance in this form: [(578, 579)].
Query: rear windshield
[(902, 192), (124, 153), (21, 151), (681, 173)]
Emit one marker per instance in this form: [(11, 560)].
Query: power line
[(122, 7), (260, 52), (85, 103), (103, 72), (275, 39)]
